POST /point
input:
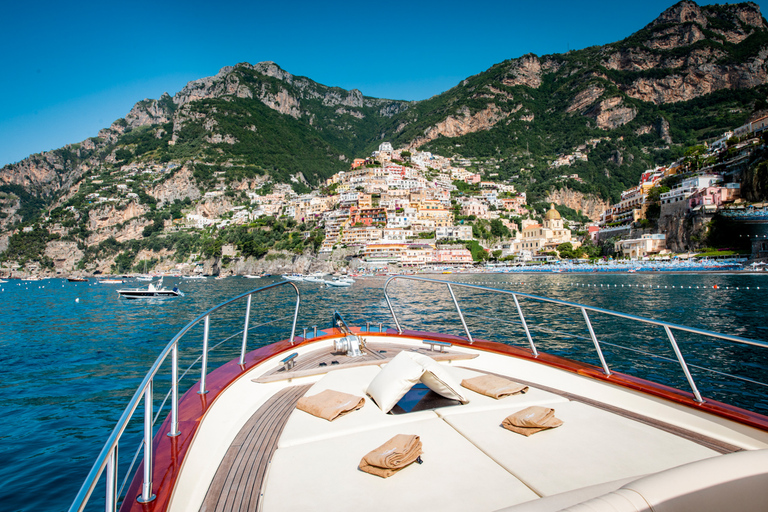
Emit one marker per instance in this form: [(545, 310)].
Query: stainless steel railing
[(107, 458), (668, 327)]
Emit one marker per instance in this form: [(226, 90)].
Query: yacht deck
[(272, 456)]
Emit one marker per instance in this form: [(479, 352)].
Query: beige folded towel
[(330, 404), (531, 420), (392, 456), (494, 386)]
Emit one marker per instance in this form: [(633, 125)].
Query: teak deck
[(238, 481)]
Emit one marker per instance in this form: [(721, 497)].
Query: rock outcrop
[(684, 231), (611, 113), (462, 124), (589, 205)]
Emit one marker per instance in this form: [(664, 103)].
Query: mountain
[(606, 112)]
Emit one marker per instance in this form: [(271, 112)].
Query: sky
[(72, 68)]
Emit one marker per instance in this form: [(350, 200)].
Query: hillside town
[(404, 208), (413, 209)]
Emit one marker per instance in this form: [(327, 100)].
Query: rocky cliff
[(589, 205), (684, 231)]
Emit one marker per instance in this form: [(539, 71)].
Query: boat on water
[(476, 424), (150, 292), (77, 280), (111, 281), (340, 282), (195, 276), (315, 277), (294, 277), (251, 276)]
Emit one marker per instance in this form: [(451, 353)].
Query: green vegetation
[(478, 253), (31, 206), (29, 246)]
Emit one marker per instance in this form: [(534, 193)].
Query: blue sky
[(72, 68)]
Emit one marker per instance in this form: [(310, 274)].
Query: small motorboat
[(340, 282), (150, 292)]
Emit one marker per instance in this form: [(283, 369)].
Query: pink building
[(475, 178), (475, 208), (715, 195), (593, 231), (452, 254)]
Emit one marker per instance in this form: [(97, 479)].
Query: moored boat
[(340, 282), (150, 292), (240, 439)]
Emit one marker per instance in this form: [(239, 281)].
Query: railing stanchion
[(525, 326), (391, 310), (684, 366), (174, 391), (111, 477), (461, 315), (204, 363), (296, 313), (106, 462), (245, 330), (597, 344), (146, 487)]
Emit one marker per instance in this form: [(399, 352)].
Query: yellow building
[(546, 237)]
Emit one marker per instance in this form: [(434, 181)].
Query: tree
[(498, 229), (566, 251), (653, 210)]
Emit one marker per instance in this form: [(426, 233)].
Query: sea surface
[(72, 354)]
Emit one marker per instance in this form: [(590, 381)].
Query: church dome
[(552, 214)]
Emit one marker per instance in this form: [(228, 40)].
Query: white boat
[(150, 292), (144, 278), (294, 277), (110, 281), (195, 276), (241, 439), (340, 282), (250, 276)]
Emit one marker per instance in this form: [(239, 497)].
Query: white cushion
[(592, 446), (405, 370), (394, 380), (327, 475), (439, 378), (304, 428)]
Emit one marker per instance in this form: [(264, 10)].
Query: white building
[(688, 186)]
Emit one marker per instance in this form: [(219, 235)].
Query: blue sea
[(72, 354)]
